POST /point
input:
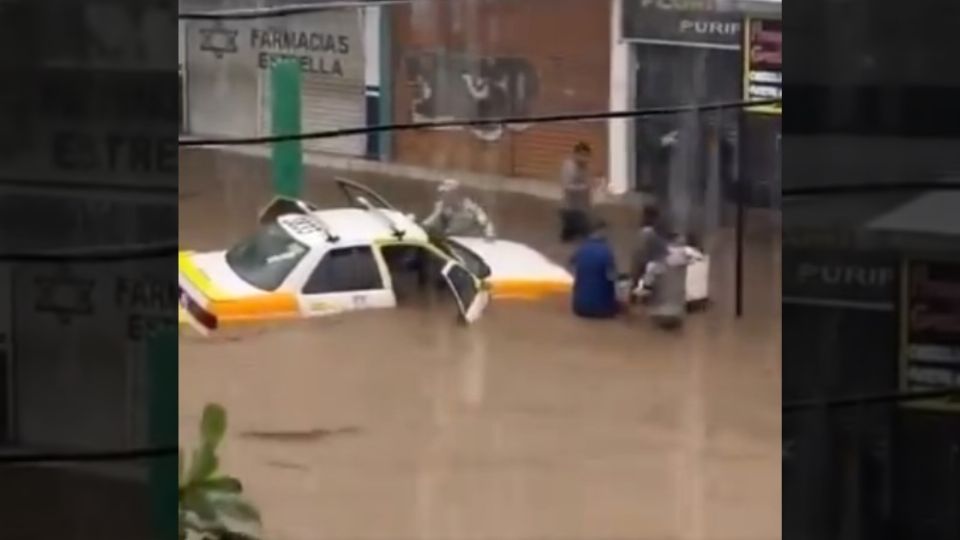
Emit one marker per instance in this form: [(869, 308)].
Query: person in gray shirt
[(650, 244), (577, 194), (456, 214)]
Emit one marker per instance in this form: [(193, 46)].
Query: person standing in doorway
[(575, 215)]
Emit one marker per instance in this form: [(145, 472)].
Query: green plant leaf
[(191, 523), (233, 535), (222, 484), (237, 508), (213, 425), (203, 464), (196, 503)]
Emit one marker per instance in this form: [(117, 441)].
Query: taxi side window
[(344, 270)]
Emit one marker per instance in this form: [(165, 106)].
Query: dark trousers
[(609, 313), (574, 224)]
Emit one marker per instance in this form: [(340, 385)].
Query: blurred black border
[(872, 105), (88, 205)]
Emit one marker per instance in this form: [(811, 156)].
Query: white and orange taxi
[(308, 262)]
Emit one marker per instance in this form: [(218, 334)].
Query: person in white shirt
[(666, 281), (455, 214)]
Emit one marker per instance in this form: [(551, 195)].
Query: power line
[(872, 399), (136, 454), (478, 122), (300, 9), (283, 11), (880, 187), (86, 187), (106, 254)]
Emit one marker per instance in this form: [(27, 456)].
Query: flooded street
[(530, 425)]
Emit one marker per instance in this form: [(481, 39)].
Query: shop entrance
[(687, 161), (760, 159)]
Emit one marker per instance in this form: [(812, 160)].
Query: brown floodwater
[(531, 424)]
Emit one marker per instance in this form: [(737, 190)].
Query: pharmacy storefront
[(228, 75)]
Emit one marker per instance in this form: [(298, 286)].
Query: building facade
[(670, 53), (492, 59), (227, 74), (93, 151), (868, 311)]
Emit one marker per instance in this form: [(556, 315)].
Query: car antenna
[(308, 211), (397, 232)]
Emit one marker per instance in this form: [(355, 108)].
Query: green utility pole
[(285, 107), (163, 386)]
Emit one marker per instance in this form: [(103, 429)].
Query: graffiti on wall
[(450, 85)]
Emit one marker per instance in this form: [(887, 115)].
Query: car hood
[(214, 294)]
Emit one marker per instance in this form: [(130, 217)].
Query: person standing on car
[(595, 276), (575, 215), (455, 214)]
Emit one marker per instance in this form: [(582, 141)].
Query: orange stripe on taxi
[(231, 309), (264, 306), (528, 290)]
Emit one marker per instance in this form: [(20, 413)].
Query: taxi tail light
[(200, 316)]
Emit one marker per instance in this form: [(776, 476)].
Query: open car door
[(465, 255), (360, 196), (471, 294), (284, 205)]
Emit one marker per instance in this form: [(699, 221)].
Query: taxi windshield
[(266, 258)]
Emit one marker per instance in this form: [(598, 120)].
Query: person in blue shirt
[(595, 276)]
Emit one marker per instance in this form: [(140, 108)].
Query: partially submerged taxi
[(304, 261)]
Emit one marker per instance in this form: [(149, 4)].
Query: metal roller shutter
[(328, 101), (327, 105), (541, 150)]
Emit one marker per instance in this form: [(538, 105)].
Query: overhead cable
[(477, 122), (283, 11), (135, 454), (99, 254), (872, 399), (879, 187)]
